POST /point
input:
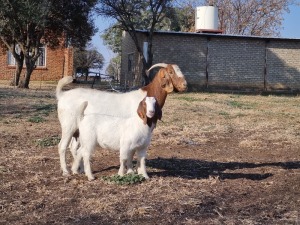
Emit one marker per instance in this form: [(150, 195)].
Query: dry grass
[(214, 159)]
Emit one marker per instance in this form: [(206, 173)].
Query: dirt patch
[(214, 159)]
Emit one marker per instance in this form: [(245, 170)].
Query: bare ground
[(214, 159)]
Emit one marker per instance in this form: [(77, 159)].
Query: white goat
[(129, 135), (168, 78)]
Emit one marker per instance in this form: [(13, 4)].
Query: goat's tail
[(81, 111), (61, 83)]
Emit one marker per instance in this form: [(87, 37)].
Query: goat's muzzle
[(181, 86)]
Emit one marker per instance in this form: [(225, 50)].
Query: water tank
[(206, 18)]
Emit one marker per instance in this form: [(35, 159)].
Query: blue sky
[(290, 25)]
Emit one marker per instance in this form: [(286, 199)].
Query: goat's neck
[(154, 90)]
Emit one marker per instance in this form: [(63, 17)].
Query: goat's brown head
[(171, 77)]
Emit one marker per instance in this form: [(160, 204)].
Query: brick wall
[(223, 61), (59, 62), (283, 64)]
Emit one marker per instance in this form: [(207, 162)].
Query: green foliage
[(127, 179), (36, 119), (48, 141), (114, 67), (223, 113), (86, 59), (30, 24), (188, 98), (235, 104), (45, 109), (112, 37)]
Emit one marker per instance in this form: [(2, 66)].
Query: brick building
[(52, 64), (216, 61)]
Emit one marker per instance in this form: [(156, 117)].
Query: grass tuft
[(127, 179), (49, 141), (36, 119)]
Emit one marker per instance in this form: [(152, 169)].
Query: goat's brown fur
[(164, 82), (141, 111)]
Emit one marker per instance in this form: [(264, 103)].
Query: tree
[(114, 67), (252, 17), (87, 59), (112, 37), (133, 14), (29, 24), (243, 17)]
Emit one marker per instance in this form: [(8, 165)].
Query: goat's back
[(115, 104)]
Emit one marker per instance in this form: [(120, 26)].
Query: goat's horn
[(156, 65)]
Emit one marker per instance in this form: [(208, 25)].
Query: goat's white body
[(99, 102), (127, 135)]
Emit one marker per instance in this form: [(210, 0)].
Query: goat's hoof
[(130, 171), (144, 175), (75, 172), (91, 178), (121, 174), (66, 173)]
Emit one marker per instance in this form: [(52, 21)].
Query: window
[(11, 59), (41, 61)]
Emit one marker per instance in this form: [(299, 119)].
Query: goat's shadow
[(197, 169)]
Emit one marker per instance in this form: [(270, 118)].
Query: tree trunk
[(20, 61), (30, 65), (15, 81)]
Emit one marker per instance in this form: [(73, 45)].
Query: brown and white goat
[(123, 105)]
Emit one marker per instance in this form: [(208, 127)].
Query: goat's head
[(148, 110), (171, 77)]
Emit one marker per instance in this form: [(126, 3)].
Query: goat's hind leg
[(62, 147), (84, 154)]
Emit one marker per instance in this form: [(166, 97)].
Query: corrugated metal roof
[(219, 35)]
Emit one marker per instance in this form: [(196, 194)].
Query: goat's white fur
[(127, 135), (164, 65), (106, 103)]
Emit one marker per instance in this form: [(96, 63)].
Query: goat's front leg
[(87, 166), (129, 162), (141, 162), (125, 161), (77, 161), (74, 146)]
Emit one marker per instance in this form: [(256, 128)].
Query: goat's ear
[(158, 111), (141, 111), (166, 82)]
